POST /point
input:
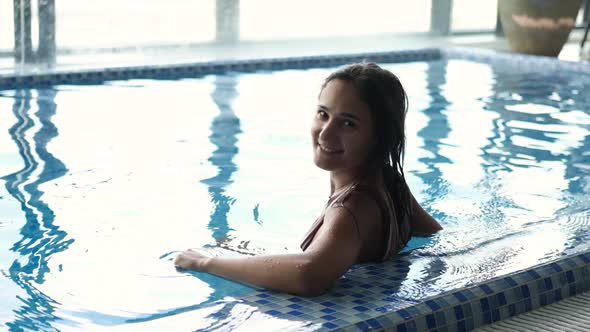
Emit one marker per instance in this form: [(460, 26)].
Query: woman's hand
[(193, 259)]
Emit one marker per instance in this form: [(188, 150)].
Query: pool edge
[(490, 301)]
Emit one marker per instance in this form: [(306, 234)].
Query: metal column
[(440, 17), (46, 49), (23, 46), (227, 21)]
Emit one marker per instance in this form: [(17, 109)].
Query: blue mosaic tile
[(487, 317), (363, 315), (495, 315), (467, 310), (328, 310), (373, 323), (294, 306), (274, 312), (363, 326), (430, 321), (404, 314), (328, 304), (512, 310), (295, 313), (411, 326), (433, 305), (485, 305), (461, 326), (460, 296), (533, 274), (360, 308), (329, 317), (401, 328), (548, 283), (486, 289), (459, 312), (525, 291), (359, 296), (440, 318), (330, 325)]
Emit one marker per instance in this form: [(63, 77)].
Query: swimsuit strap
[(334, 201), (397, 234)]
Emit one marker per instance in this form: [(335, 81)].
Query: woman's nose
[(327, 131)]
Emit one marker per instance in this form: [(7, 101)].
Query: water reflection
[(437, 128), (539, 133), (434, 132), (40, 237), (507, 100), (224, 130)]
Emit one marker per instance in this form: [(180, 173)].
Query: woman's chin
[(326, 165)]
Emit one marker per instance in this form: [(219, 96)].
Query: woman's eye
[(348, 123), (322, 114)]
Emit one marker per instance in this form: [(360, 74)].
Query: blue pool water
[(101, 185)]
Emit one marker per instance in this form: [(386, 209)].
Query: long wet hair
[(382, 91)]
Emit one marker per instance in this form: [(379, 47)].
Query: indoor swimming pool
[(104, 180)]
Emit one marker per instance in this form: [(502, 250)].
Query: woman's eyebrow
[(350, 116), (342, 114)]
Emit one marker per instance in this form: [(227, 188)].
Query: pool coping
[(493, 300), (199, 69), (461, 309)]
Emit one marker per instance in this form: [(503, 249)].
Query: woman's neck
[(341, 179)]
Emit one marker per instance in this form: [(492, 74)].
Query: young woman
[(358, 136)]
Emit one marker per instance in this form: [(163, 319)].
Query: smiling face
[(343, 130)]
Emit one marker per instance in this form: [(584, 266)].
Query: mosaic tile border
[(368, 298), (360, 300), (199, 69), (494, 300), (522, 62)]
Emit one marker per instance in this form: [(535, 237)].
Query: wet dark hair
[(383, 92)]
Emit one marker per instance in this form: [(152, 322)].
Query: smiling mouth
[(329, 150)]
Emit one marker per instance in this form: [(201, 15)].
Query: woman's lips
[(329, 149)]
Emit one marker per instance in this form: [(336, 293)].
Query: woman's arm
[(423, 224), (334, 250)]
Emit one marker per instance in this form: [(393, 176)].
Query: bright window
[(474, 15), (7, 28), (267, 20), (115, 23)]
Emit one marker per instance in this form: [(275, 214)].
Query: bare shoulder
[(361, 209)]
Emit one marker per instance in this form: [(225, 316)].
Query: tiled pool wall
[(366, 299), (493, 300), (361, 303), (198, 69)]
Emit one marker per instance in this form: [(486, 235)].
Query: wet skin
[(343, 132)]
